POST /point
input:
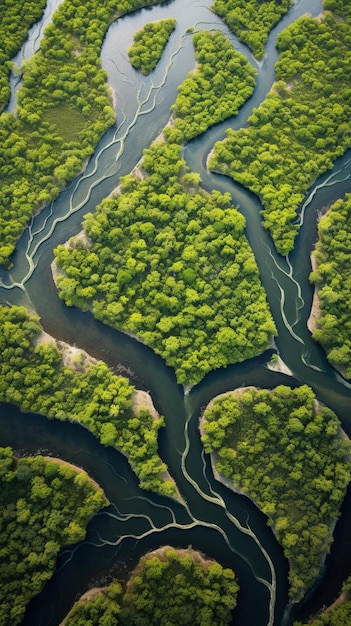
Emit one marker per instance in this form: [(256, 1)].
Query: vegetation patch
[(38, 155), (17, 16), (333, 281), (286, 452), (252, 20), (222, 81), (168, 586), (33, 377), (149, 44), (44, 506), (300, 129), (170, 263)]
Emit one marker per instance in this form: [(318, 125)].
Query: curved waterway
[(222, 524)]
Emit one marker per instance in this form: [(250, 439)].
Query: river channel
[(212, 519)]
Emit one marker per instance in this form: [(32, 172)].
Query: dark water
[(213, 519)]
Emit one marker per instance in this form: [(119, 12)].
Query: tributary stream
[(212, 519)]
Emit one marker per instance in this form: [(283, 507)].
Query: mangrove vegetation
[(149, 44), (286, 452), (303, 125), (252, 20), (44, 505), (333, 283), (33, 376), (168, 587)]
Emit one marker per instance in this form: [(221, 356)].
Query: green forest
[(149, 44), (285, 451), (44, 506), (33, 377), (303, 125), (221, 83), (333, 282), (170, 263), (252, 20), (169, 588), (17, 16), (64, 107)]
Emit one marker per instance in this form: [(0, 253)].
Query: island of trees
[(302, 126), (33, 377), (333, 283), (168, 587), (252, 20), (221, 83), (149, 44), (170, 263), (286, 452), (44, 506)]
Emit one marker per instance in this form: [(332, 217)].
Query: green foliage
[(252, 20), (44, 505), (302, 126), (222, 81), (64, 107), (178, 587), (101, 610), (149, 44), (168, 587), (17, 16), (32, 376), (285, 451), (171, 264), (333, 281)]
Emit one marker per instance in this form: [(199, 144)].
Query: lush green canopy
[(333, 281), (171, 264), (220, 84), (64, 107), (44, 505), (32, 376), (301, 127), (17, 16), (252, 20), (149, 43), (284, 451), (168, 588)]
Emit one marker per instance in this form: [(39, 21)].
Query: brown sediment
[(315, 313)]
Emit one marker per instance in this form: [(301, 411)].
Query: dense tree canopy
[(149, 43), (333, 281), (169, 588), (301, 127), (63, 109), (44, 505), (16, 18), (285, 452), (220, 84), (33, 377), (171, 264), (252, 20)]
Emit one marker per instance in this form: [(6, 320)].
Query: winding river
[(222, 524)]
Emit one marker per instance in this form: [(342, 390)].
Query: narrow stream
[(222, 524)]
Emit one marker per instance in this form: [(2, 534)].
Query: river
[(224, 525)]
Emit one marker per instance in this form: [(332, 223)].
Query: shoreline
[(315, 312)]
